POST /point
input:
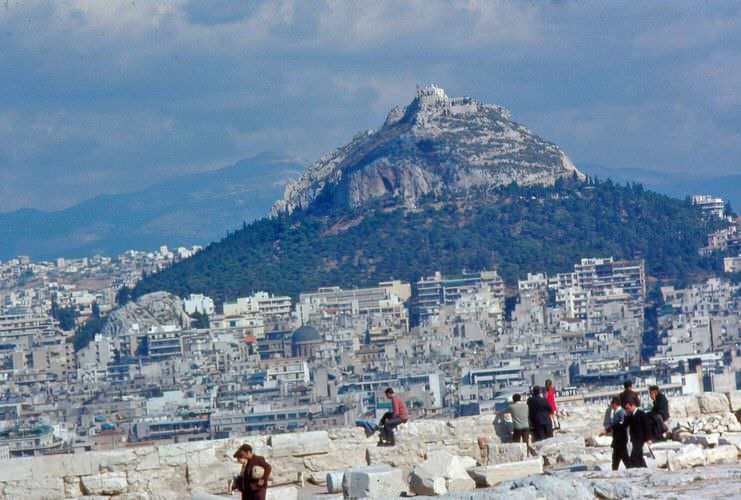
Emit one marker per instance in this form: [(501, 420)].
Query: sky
[(112, 96)]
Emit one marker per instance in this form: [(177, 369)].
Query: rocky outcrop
[(437, 143), (156, 309)]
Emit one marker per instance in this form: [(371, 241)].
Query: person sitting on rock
[(659, 413), (252, 481), (391, 419), (539, 414), (619, 430), (640, 431)]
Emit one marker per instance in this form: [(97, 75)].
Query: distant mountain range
[(727, 187), (191, 209)]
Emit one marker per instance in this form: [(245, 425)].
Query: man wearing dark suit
[(539, 414), (619, 432), (640, 432), (252, 481), (659, 413)]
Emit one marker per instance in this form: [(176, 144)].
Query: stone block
[(704, 440), (72, 487), (109, 483), (683, 406), (507, 452), (213, 478), (688, 456), (490, 475), (299, 444), (713, 402), (566, 445), (147, 458), (724, 454), (439, 474), (17, 469), (423, 431), (179, 453), (372, 482), (405, 455), (663, 450), (599, 441), (51, 488), (733, 438), (64, 465), (165, 479), (114, 461), (334, 481), (282, 493), (734, 399), (203, 495), (338, 458)]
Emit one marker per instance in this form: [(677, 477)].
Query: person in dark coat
[(619, 430), (639, 428), (659, 413), (252, 481), (539, 414), (628, 394)]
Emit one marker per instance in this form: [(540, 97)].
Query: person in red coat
[(252, 481), (550, 395)]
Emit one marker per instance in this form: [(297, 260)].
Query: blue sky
[(108, 96)]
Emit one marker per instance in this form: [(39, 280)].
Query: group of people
[(629, 424), (252, 480), (536, 417)]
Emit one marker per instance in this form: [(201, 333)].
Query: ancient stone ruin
[(459, 458)]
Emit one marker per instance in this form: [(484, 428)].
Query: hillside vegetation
[(513, 229)]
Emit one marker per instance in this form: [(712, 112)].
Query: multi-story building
[(710, 205), (433, 292), (388, 299)]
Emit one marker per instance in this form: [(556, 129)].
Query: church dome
[(306, 334)]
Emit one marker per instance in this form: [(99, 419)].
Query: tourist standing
[(519, 411), (252, 481), (539, 414), (390, 420), (629, 394), (550, 395), (619, 430), (640, 431)]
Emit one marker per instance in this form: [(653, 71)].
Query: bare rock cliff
[(435, 144)]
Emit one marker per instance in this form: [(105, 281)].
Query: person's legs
[(382, 426), (538, 432), (518, 436), (389, 426), (548, 430), (636, 456), (620, 454), (615, 459)]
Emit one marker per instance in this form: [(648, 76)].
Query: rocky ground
[(465, 458)]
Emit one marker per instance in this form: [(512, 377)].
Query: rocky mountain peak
[(436, 143)]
